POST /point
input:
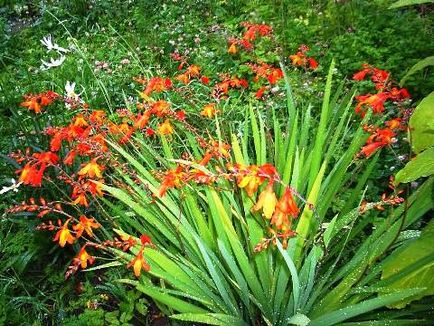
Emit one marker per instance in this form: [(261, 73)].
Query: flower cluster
[(386, 91), (37, 102), (280, 212), (301, 59), (266, 72), (253, 31)]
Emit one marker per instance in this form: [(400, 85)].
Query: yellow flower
[(165, 128), (91, 169), (267, 201), (64, 235), (139, 263), (209, 110)]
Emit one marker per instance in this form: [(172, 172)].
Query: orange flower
[(30, 175), (46, 157), (36, 102), (80, 199), (275, 75), (142, 120), (298, 59), (64, 235), (56, 141), (32, 104), (379, 139), (232, 49), (376, 102), (183, 78), (84, 258), (312, 63), (139, 263), (97, 116), (172, 179), (370, 149), (91, 169), (193, 71), (80, 121), (165, 128), (260, 93), (378, 76), (85, 224), (157, 84), (160, 108), (267, 201), (100, 140), (209, 110), (94, 187), (285, 207), (394, 124)]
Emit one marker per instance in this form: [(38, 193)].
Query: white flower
[(13, 187), (70, 92), (53, 63), (48, 42)]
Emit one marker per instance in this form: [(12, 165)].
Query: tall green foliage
[(204, 268)]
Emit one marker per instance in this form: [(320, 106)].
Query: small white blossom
[(13, 187), (50, 45), (70, 91), (53, 63), (71, 96)]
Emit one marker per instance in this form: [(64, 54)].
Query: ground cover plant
[(221, 171)]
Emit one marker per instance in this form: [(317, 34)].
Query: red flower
[(149, 132), (46, 157), (376, 102), (180, 115), (260, 92), (30, 175), (312, 63), (379, 139), (285, 207), (275, 75)]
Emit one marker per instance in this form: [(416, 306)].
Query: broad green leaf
[(418, 66), (328, 231), (102, 266), (322, 129), (422, 125), (211, 319), (304, 225), (421, 166), (294, 275), (299, 320), (336, 317), (421, 277), (404, 3), (177, 304), (256, 136)]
